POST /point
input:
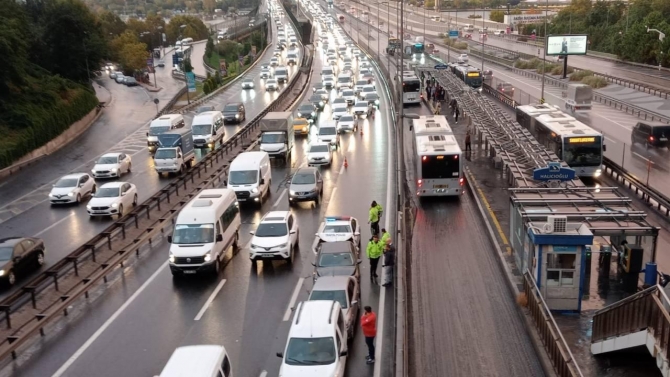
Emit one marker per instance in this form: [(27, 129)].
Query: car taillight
[(651, 138), (419, 182), (460, 181)]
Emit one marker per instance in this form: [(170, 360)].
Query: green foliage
[(580, 75), (209, 48), (475, 16), (455, 44), (558, 70), (188, 67), (497, 16), (595, 81), (193, 28), (528, 64), (429, 4), (546, 68), (129, 52)]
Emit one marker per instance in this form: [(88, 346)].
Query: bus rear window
[(440, 167)]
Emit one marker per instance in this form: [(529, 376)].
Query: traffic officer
[(374, 251)]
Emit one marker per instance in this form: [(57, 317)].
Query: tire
[(130, 168), (40, 258), (120, 211), (290, 258), (236, 242), (78, 198), (94, 189), (217, 267), (135, 201), (317, 201), (11, 278)]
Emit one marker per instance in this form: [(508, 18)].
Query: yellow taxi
[(301, 126)]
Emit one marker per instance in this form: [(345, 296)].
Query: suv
[(338, 258), (317, 341), (234, 112), (344, 290), (651, 134), (275, 238), (306, 185), (505, 88)]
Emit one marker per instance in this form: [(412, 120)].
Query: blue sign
[(453, 34), (150, 62), (441, 66), (190, 82), (554, 172)]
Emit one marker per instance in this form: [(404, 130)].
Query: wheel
[(217, 267), (11, 278), (236, 241), (135, 200), (289, 260), (120, 210), (94, 189), (317, 200), (130, 168), (40, 258), (78, 198)]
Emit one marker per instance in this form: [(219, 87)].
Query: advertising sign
[(516, 19), (566, 45), (554, 172), (453, 34), (150, 62), (190, 82)]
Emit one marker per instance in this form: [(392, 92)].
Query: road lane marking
[(210, 300), (108, 323), (294, 297), (53, 225), (263, 373), (342, 168), (279, 198)]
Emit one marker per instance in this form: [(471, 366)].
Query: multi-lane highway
[(144, 314), (460, 304)]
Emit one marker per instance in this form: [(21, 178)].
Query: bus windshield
[(409, 86), (440, 167), (583, 151)]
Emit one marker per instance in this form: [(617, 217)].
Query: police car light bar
[(338, 218)]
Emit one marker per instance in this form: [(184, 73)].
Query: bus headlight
[(598, 173)]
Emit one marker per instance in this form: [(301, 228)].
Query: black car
[(505, 88), (317, 101), (19, 256), (307, 111), (651, 134), (338, 258), (234, 113)]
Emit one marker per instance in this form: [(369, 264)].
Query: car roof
[(74, 175), (313, 319), (319, 142), (306, 170), (335, 247), (275, 217), (11, 241), (329, 283), (113, 154), (113, 184), (196, 360)]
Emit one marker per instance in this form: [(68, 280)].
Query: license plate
[(188, 272), (440, 186), (241, 200), (268, 255), (663, 139)]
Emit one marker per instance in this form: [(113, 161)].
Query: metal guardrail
[(557, 348), (47, 297)]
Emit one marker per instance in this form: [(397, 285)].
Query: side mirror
[(354, 302), (314, 264), (16, 259), (252, 232), (280, 354), (293, 232), (219, 237), (262, 181), (359, 261), (123, 194), (357, 233), (343, 353), (604, 148), (147, 134)]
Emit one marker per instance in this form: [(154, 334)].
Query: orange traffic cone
[(346, 164), (361, 130)]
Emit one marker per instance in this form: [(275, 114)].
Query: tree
[(133, 57), (13, 45), (209, 48), (193, 28), (111, 24), (209, 5), (497, 16)]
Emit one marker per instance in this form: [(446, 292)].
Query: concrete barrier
[(76, 129)]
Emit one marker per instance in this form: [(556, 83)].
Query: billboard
[(566, 45)]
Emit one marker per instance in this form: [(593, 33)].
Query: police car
[(338, 228)]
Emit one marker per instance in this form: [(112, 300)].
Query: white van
[(186, 41), (318, 332), (207, 129), (163, 124), (250, 175), (205, 228), (469, 28), (198, 361)]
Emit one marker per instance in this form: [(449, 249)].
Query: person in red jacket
[(369, 325)]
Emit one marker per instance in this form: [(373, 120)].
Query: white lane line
[(107, 323), (263, 373), (642, 157), (210, 300), (342, 168), (279, 198), (294, 297), (53, 225)]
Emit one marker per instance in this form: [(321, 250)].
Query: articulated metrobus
[(411, 90), (438, 158), (471, 76), (580, 146)]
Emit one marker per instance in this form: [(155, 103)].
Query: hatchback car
[(274, 62), (301, 126), (372, 99), (344, 290), (19, 256), (307, 111), (275, 238), (338, 112), (266, 72), (112, 165), (203, 109), (234, 113), (71, 188), (339, 258), (505, 88), (325, 95), (367, 89), (328, 82), (318, 86), (306, 186), (319, 153), (651, 134), (111, 198), (247, 84)]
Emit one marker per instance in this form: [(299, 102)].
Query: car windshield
[(339, 296), (346, 118), (273, 138), (108, 160), (107, 192), (335, 260), (271, 230), (6, 253), (361, 82), (185, 234), (243, 177), (327, 131), (273, 81), (157, 130), (67, 182), (339, 100), (201, 129), (369, 89), (315, 98), (248, 81), (343, 80), (165, 154), (348, 93), (310, 351), (230, 108), (371, 96), (318, 148), (361, 104), (306, 109), (304, 179)]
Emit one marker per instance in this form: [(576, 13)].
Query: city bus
[(438, 158), (183, 52), (580, 146), (471, 76), (411, 90)]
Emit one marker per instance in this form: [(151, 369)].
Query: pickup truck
[(175, 151)]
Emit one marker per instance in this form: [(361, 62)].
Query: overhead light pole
[(661, 37), (544, 60)]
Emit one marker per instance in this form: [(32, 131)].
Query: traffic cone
[(346, 164), (361, 130)]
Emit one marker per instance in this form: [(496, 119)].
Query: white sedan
[(338, 112), (111, 199), (346, 122), (274, 62), (271, 84), (112, 165), (349, 96), (71, 188), (361, 107), (319, 153)]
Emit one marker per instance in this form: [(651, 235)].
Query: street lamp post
[(661, 37), (484, 36), (181, 34), (544, 60)]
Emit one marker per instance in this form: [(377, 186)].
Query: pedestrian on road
[(453, 105), (468, 148), (457, 113), (389, 262), (374, 251), (428, 94), (438, 109), (369, 325), (379, 209)]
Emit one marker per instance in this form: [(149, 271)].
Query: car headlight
[(2, 272), (171, 258), (313, 113), (299, 115), (321, 103), (291, 192), (114, 170), (376, 102), (70, 194), (208, 257), (114, 205), (237, 116), (254, 190), (254, 246), (282, 245), (88, 206), (598, 172), (51, 195), (93, 171), (304, 129)]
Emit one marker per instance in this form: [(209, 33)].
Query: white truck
[(175, 151), (578, 98), (281, 74), (277, 134)]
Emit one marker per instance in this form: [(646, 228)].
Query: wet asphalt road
[(461, 308), (247, 315)]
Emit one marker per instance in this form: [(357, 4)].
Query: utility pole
[(661, 37), (544, 60)]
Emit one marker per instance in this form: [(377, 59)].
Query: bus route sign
[(554, 172)]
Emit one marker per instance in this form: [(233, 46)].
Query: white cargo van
[(250, 175), (205, 228), (207, 129), (198, 361), (161, 125)]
